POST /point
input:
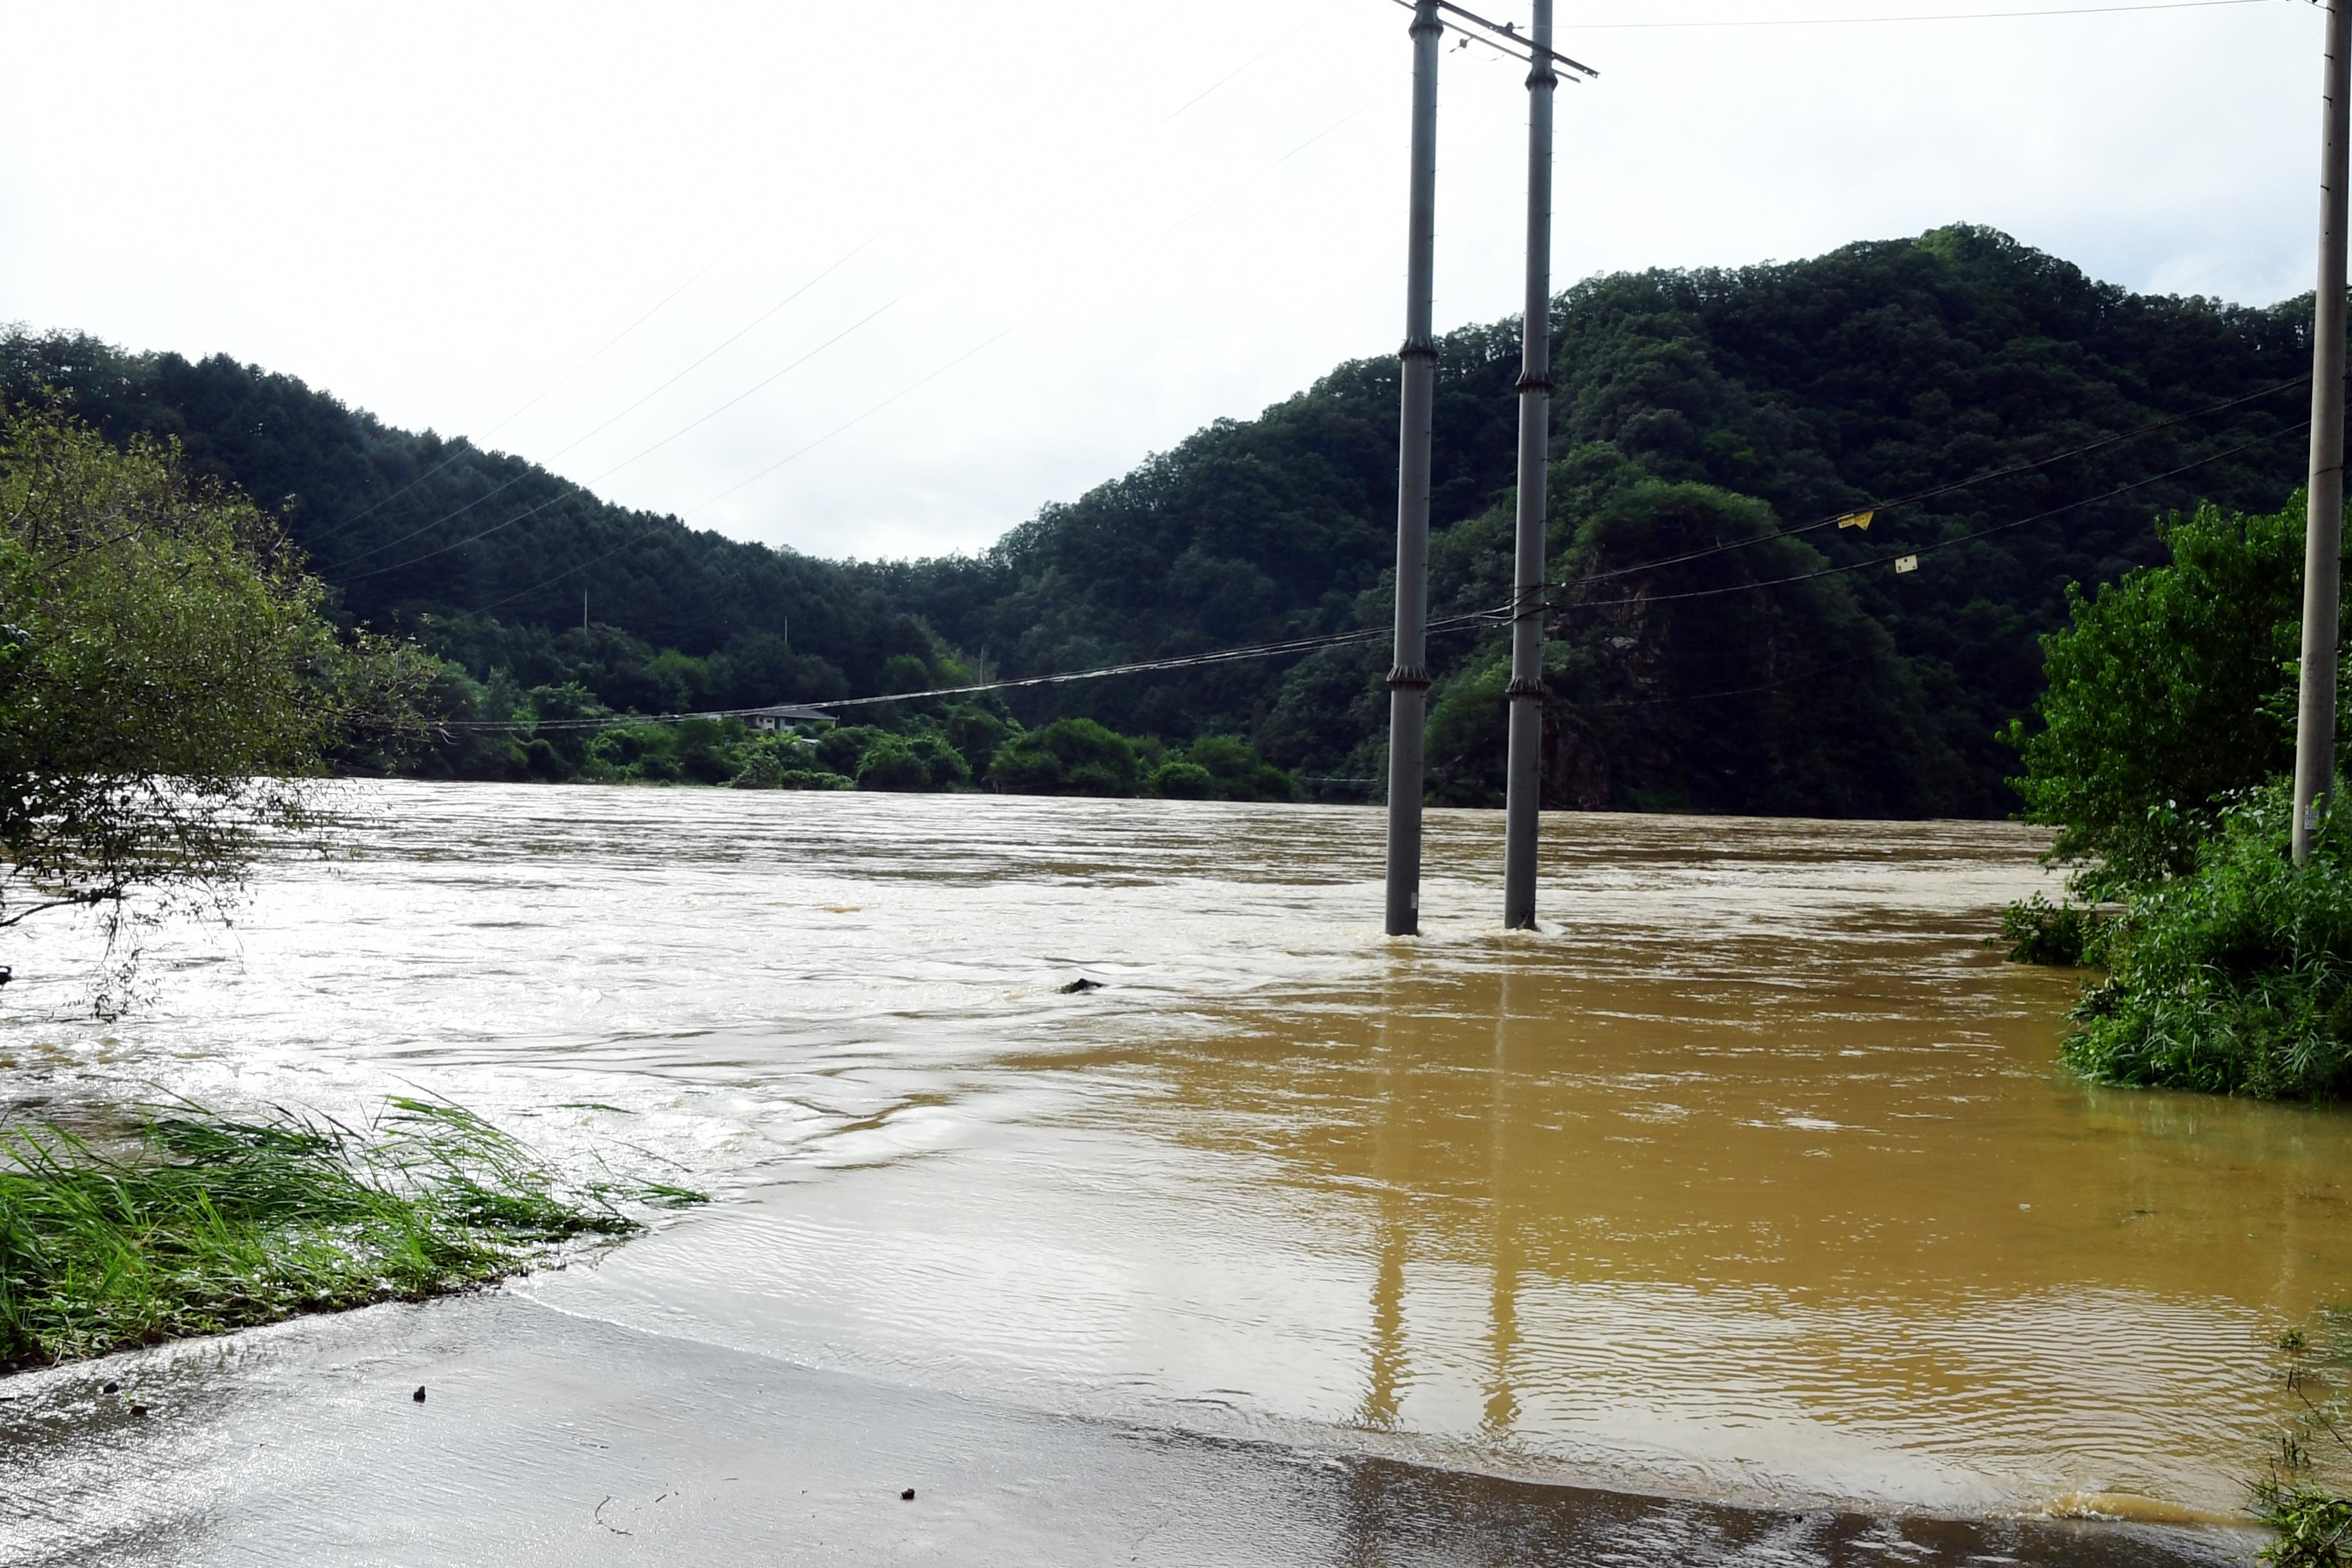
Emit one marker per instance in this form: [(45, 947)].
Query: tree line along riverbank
[(1971, 379)]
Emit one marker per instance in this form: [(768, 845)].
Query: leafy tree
[(2169, 692), (892, 763), (1069, 756), (168, 687), (1234, 771), (1184, 781)]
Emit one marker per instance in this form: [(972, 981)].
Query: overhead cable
[(1915, 550), (571, 488), (1943, 16), (677, 521), (458, 448), (580, 487), (1914, 497), (1500, 38), (1141, 666)]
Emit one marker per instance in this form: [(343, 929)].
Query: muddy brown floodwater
[(1752, 1177)]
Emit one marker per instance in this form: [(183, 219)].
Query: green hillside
[(1694, 408)]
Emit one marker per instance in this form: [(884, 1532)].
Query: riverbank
[(548, 1438)]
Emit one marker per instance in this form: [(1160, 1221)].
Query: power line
[(571, 488), (1734, 691), (518, 478), (1931, 492), (458, 449), (646, 533), (582, 488), (1501, 38), (1176, 662), (1510, 30), (1458, 622), (1238, 70), (1919, 548), (1944, 16)]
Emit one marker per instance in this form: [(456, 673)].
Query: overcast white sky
[(1093, 224)]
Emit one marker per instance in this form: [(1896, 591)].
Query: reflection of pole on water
[(1387, 1372), (1503, 1310)]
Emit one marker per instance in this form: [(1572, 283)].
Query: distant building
[(784, 716)]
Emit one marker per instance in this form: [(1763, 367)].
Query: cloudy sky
[(871, 279)]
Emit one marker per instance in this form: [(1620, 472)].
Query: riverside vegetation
[(203, 1223), (170, 694), (2159, 752)]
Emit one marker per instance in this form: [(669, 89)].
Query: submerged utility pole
[(2323, 548), (1409, 674), (1523, 798)]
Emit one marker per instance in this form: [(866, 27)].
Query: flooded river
[(1751, 1176)]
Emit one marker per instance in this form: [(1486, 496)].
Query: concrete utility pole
[(1523, 799), (1409, 675), (2323, 551)]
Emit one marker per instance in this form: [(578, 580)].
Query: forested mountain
[(1694, 409)]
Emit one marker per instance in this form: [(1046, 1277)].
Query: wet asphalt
[(548, 1439)]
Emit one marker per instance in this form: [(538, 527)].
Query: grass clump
[(2304, 1496), (2235, 977), (214, 1224)]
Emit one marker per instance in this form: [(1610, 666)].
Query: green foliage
[(167, 682), (213, 1225), (1236, 772), (2304, 1494), (2236, 977), (1184, 781), (892, 763), (1777, 393), (2061, 935), (1686, 401), (2314, 1525), (784, 761), (2164, 698), (1793, 702), (1069, 756)]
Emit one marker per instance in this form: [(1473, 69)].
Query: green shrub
[(1182, 781), (784, 761), (891, 764), (843, 747), (2064, 936), (2235, 978), (976, 734), (1237, 771), (1069, 756)]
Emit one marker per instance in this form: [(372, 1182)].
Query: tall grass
[(2304, 1494), (214, 1224)]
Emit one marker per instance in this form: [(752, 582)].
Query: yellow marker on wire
[(1857, 519)]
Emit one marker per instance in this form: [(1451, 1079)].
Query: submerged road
[(549, 1438)]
